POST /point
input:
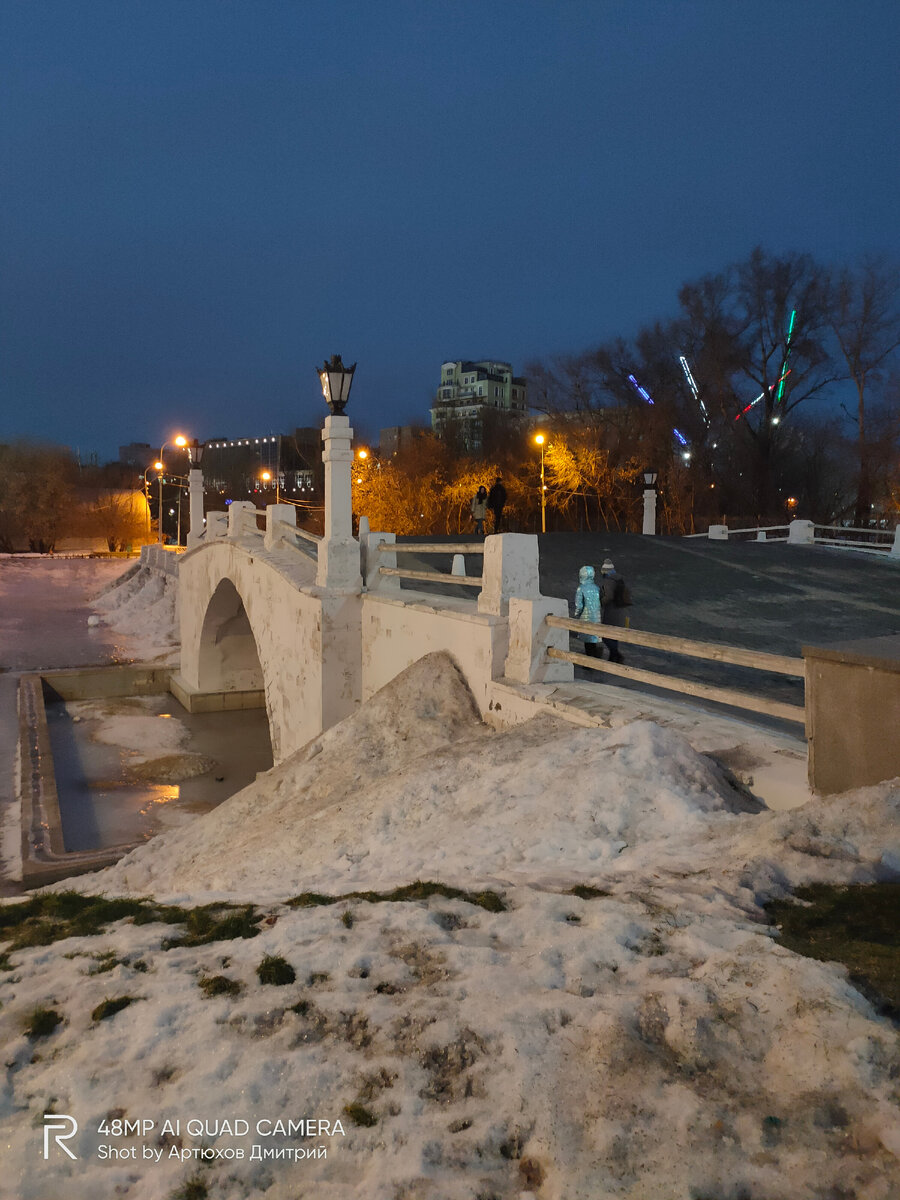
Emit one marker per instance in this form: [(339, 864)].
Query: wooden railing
[(714, 651), (432, 576)]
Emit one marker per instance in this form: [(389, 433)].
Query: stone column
[(338, 568), (195, 501), (649, 510)]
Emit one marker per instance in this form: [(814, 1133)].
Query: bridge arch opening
[(228, 660)]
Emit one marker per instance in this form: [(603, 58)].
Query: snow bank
[(414, 785), (141, 606)]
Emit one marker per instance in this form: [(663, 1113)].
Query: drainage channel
[(109, 758)]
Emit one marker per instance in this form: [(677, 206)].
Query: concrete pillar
[(338, 562), (387, 558), (195, 506), (241, 518), (510, 569), (718, 533), (216, 525), (801, 533), (895, 549), (275, 534), (760, 535), (459, 565), (649, 511), (529, 639)]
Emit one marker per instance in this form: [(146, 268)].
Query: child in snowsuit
[(587, 608)]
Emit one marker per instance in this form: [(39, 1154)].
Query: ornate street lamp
[(195, 493), (336, 380)]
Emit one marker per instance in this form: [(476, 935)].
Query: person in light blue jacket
[(587, 608)]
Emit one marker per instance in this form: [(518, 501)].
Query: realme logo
[(67, 1127)]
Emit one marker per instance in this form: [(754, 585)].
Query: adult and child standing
[(602, 605), (493, 500)]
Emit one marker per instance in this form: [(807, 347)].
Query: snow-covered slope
[(653, 1042)]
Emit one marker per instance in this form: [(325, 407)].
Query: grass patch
[(109, 1008), (360, 1115), (420, 890), (218, 985), (216, 923), (857, 925), (41, 1022), (583, 892), (276, 971), (52, 916), (192, 1189)]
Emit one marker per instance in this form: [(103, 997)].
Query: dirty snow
[(141, 607), (652, 1043)]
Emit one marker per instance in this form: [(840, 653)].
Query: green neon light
[(787, 351)]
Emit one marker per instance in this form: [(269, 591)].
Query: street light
[(336, 380), (157, 466), (180, 441), (266, 477), (539, 439)]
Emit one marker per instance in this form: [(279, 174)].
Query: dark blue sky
[(201, 199)]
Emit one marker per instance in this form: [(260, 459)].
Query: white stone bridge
[(312, 627)]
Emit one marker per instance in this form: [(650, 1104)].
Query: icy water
[(102, 804)]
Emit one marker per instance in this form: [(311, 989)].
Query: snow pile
[(414, 785), (649, 1039), (141, 606)]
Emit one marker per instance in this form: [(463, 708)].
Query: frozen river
[(43, 624)]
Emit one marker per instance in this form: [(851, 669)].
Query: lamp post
[(649, 503), (539, 439), (180, 441), (157, 466), (338, 555), (266, 477), (195, 493)]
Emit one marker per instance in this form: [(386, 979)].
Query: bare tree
[(865, 317)]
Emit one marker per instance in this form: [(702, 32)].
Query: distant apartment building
[(472, 394)]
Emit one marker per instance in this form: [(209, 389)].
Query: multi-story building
[(473, 394), (239, 464)]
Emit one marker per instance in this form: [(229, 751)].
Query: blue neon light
[(637, 386), (680, 437)]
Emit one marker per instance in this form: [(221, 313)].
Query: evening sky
[(201, 199)]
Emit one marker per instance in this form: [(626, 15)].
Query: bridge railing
[(457, 575), (809, 533), (714, 651)]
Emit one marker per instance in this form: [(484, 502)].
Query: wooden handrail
[(428, 548), (301, 533), (433, 576), (779, 663), (730, 696)]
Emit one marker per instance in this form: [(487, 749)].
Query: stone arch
[(228, 657)]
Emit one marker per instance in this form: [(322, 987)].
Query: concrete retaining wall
[(853, 713)]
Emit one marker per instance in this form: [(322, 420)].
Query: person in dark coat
[(613, 602), (496, 502)]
